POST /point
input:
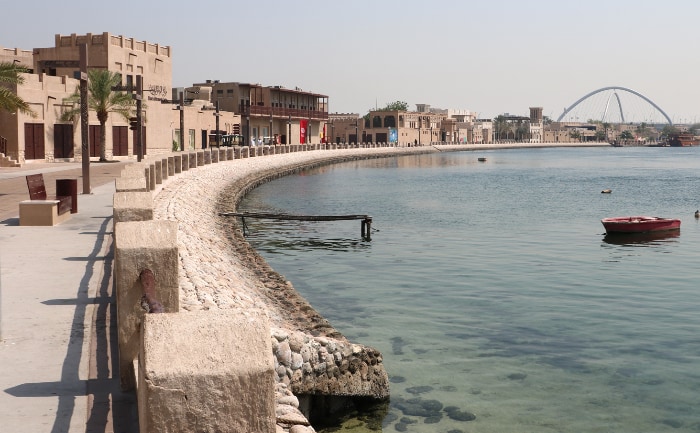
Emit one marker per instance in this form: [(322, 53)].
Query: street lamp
[(270, 132), (289, 126)]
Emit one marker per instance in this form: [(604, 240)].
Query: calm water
[(490, 286)]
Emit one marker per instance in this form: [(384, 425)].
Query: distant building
[(273, 114)]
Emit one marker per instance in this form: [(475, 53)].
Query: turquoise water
[(491, 287)]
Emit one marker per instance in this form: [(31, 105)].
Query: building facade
[(272, 114)]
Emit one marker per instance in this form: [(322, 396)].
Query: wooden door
[(63, 141), (120, 140), (34, 141), (94, 132)]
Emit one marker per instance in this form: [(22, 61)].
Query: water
[(490, 286)]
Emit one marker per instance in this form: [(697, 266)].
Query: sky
[(490, 57)]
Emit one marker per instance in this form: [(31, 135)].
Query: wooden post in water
[(366, 228)]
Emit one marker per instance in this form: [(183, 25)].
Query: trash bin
[(68, 187)]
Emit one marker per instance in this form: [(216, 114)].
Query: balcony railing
[(296, 113)]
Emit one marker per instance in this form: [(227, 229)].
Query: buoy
[(606, 191)]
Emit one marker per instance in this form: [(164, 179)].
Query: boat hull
[(640, 224)]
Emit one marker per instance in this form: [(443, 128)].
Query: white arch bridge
[(605, 104)]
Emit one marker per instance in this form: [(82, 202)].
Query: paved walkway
[(58, 363)]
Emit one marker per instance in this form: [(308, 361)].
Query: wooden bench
[(40, 209)]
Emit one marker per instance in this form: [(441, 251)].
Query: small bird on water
[(606, 191), (697, 214)]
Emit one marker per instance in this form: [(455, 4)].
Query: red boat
[(639, 224)]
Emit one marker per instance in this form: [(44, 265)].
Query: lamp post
[(181, 107), (357, 138), (289, 127), (271, 134)]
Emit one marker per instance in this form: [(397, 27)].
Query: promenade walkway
[(58, 363)]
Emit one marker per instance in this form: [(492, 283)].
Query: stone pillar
[(171, 166), (206, 371), (159, 171), (138, 246), (230, 154), (152, 176), (178, 163), (132, 206), (207, 156), (193, 159), (131, 184), (214, 156)]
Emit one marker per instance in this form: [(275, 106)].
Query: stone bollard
[(132, 206), (152, 176), (178, 163), (207, 156), (131, 184), (206, 371), (222, 155), (159, 171), (214, 156), (140, 245), (192, 156), (200, 158), (230, 154), (171, 166)]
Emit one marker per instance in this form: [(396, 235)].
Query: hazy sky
[(487, 56)]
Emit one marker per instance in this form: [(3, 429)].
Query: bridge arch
[(603, 89)]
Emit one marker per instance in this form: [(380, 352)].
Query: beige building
[(271, 114), (54, 76)]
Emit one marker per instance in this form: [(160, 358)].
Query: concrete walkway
[(58, 361)]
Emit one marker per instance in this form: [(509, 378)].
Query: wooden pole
[(85, 146)]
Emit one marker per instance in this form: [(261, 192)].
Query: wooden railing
[(296, 113)]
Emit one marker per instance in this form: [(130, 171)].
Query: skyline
[(487, 57)]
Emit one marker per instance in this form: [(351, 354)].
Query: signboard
[(303, 125), (393, 135)]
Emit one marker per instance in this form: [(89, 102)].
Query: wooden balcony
[(278, 112)]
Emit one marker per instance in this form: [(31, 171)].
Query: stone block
[(140, 245), (152, 176), (159, 171), (178, 164), (40, 213), (206, 371), (132, 206), (171, 166), (131, 184)]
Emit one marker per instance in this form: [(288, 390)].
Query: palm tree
[(102, 100), (10, 73)]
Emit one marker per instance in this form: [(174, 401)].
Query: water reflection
[(642, 239)]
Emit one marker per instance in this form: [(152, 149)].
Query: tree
[(396, 106), (10, 73), (626, 135), (102, 100)]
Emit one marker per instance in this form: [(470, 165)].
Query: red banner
[(303, 124)]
